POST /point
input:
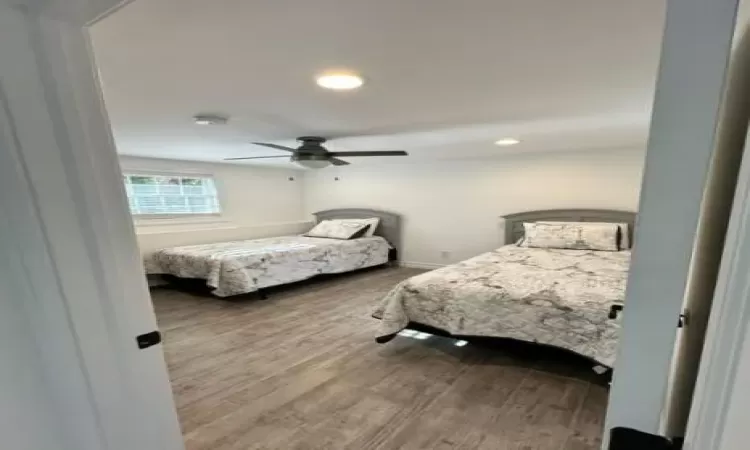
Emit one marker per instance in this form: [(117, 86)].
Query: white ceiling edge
[(127, 160), (406, 161), (509, 156), (475, 141)]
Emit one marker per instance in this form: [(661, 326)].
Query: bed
[(556, 297), (240, 267)]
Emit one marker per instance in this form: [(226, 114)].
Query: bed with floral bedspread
[(558, 297), (240, 267)]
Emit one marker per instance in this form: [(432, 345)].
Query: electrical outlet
[(445, 254)]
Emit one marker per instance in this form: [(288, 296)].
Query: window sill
[(142, 222), (226, 228)]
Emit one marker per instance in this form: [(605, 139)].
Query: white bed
[(240, 267), (553, 297), (557, 297)]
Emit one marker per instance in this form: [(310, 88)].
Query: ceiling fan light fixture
[(339, 80), (313, 163), (505, 142)]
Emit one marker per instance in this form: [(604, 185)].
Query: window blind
[(165, 195)]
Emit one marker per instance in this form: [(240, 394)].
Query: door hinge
[(622, 438), (149, 339)]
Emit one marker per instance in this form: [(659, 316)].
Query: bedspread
[(240, 267), (550, 296)]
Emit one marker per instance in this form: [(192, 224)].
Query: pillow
[(373, 223), (572, 235), (338, 229), (624, 230)]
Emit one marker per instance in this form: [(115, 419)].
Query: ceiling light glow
[(504, 142), (207, 119), (339, 81), (313, 163)]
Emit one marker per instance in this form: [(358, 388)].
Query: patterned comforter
[(549, 296), (240, 267)]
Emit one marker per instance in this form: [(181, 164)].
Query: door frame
[(716, 418), (696, 48), (67, 232)]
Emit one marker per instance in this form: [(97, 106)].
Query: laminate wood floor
[(301, 370)]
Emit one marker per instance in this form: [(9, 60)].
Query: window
[(171, 195)]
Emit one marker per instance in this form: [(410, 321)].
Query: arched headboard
[(514, 222), (389, 226)]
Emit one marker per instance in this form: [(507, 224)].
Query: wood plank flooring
[(301, 370)]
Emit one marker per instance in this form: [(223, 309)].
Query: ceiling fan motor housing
[(312, 140), (311, 149)]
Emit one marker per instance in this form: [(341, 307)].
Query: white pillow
[(624, 230), (337, 229), (571, 235), (372, 222)]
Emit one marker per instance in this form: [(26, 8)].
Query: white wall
[(454, 206), (256, 202), (447, 206)]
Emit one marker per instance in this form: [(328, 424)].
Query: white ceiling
[(445, 78)]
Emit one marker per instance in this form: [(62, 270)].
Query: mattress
[(239, 267), (555, 297)]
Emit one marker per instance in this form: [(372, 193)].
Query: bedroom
[(580, 148), (300, 368), (265, 362)]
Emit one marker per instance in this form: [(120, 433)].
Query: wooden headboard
[(514, 222), (389, 226)]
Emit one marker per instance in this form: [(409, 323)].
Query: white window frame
[(159, 219)]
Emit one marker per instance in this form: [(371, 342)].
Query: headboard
[(389, 227), (514, 222)]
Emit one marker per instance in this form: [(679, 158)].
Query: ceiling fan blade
[(338, 162), (255, 157), (278, 147), (383, 153)]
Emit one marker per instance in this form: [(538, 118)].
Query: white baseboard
[(420, 265)]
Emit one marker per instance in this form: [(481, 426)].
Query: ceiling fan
[(313, 155)]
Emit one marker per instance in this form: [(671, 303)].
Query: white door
[(687, 110), (715, 212), (74, 296)]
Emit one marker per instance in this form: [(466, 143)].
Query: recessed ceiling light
[(339, 80), (208, 119), (504, 142)]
